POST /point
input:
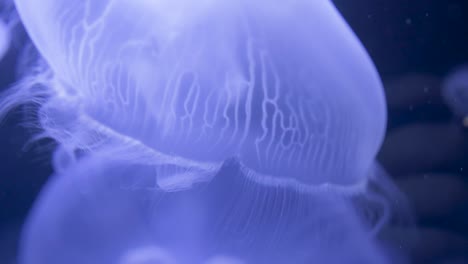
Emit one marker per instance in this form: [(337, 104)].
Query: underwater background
[(414, 45)]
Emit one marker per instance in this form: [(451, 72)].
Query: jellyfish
[(286, 88), (108, 211), (148, 99)]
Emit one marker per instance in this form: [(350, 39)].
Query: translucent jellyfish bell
[(285, 87), (107, 211)]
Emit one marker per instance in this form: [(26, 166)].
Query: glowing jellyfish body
[(170, 89), (285, 87), (112, 212)]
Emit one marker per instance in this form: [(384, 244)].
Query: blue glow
[(106, 211), (455, 91), (198, 83), (203, 132), (4, 39), (7, 22)]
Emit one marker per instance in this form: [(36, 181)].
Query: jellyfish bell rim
[(150, 156), (131, 149), (126, 148)]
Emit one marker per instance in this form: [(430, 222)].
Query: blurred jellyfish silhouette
[(455, 92), (121, 216), (148, 99), (7, 22), (4, 39)]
